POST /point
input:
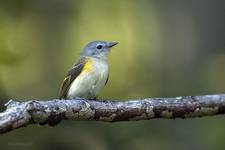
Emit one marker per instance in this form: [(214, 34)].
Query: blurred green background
[(167, 48)]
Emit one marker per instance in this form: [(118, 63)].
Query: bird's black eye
[(99, 46)]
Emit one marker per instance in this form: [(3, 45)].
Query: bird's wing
[(72, 74)]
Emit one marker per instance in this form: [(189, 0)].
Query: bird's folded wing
[(72, 74)]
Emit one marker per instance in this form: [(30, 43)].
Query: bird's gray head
[(98, 49)]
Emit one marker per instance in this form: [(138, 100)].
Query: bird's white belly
[(89, 83)]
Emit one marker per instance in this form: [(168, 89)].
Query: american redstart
[(89, 74)]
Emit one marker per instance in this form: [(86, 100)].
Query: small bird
[(89, 74)]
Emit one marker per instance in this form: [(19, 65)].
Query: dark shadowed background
[(167, 48)]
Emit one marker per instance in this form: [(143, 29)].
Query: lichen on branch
[(20, 114)]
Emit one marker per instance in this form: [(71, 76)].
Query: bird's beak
[(111, 44)]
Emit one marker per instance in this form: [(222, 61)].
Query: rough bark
[(20, 114)]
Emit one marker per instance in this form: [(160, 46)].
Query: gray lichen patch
[(166, 114), (86, 111), (39, 117), (141, 117), (108, 119), (209, 110), (71, 115), (149, 111), (36, 111), (202, 112)]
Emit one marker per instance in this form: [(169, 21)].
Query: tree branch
[(20, 114)]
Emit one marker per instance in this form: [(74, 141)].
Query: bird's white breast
[(89, 83)]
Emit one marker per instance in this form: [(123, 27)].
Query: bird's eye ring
[(99, 46)]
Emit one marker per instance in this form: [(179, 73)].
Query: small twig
[(20, 114)]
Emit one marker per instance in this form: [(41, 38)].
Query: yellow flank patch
[(88, 65)]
